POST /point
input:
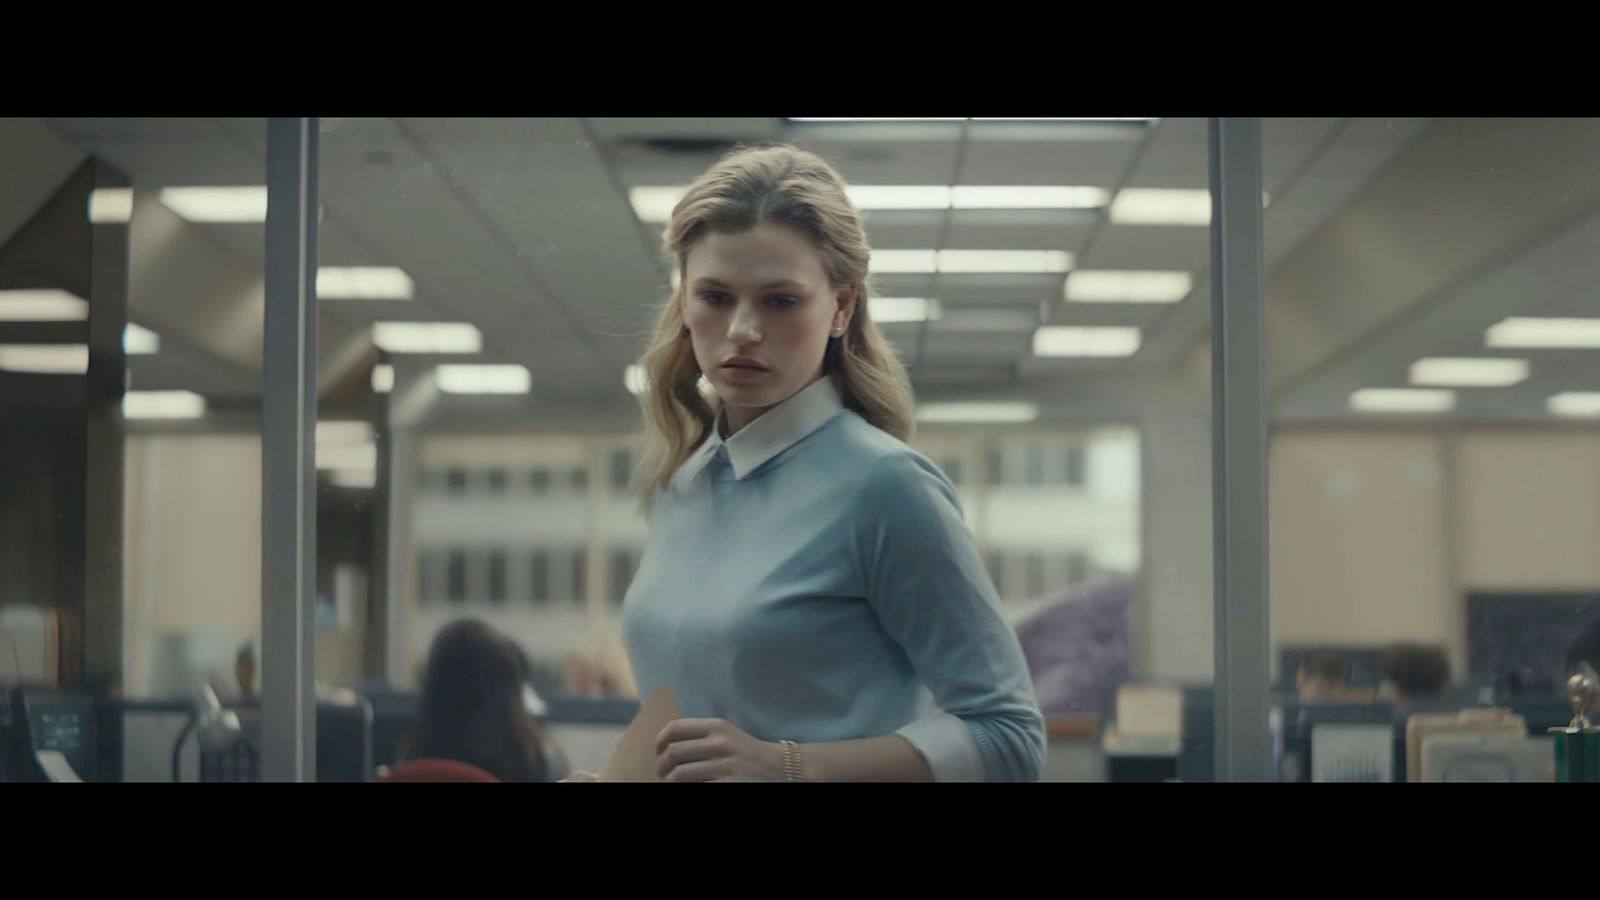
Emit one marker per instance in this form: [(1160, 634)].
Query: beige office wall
[(1378, 534)]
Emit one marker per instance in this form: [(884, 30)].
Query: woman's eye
[(713, 298), (784, 302)]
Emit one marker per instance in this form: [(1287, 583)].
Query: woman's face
[(760, 310)]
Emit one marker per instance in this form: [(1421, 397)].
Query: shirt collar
[(773, 432)]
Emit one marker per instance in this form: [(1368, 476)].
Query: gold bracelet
[(792, 768)]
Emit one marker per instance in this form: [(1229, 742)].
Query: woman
[(473, 707), (808, 573)]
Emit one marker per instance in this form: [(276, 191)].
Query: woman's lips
[(742, 372)]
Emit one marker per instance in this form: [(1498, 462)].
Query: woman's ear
[(847, 308)]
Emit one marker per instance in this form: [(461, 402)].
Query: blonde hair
[(748, 186)]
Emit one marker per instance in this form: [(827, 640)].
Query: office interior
[(1430, 380)]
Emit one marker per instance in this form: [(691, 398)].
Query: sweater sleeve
[(927, 584)]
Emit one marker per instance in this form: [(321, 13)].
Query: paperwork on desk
[(1149, 722), (1421, 726), (635, 756), (1488, 756), (56, 767)]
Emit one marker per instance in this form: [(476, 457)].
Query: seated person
[(1414, 672), (473, 706), (555, 758), (1320, 678)]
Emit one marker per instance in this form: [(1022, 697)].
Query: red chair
[(435, 770)]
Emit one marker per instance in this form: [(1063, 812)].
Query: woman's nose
[(744, 327)]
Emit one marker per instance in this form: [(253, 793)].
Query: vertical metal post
[(1239, 450), (397, 608), (288, 463)]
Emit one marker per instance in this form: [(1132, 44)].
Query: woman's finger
[(680, 752), (684, 730), (705, 770)]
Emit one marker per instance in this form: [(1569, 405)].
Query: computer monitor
[(17, 761), (393, 713), (345, 741), (34, 722), (1293, 723), (1526, 633), (66, 723)]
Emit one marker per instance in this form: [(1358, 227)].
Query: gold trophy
[(1578, 744)]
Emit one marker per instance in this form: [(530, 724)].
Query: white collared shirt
[(771, 433)]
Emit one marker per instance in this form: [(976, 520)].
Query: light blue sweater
[(806, 579)]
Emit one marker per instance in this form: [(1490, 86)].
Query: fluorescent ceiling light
[(999, 319), (363, 283), (977, 413), (427, 337), (933, 196), (1058, 119), (1166, 206), (365, 479), (654, 204), (898, 262), (889, 310), (1467, 372), (1161, 206), (42, 305), (1108, 286), (635, 379), (1028, 197), (1578, 404), (163, 405), (1518, 331), (217, 204), (347, 456), (970, 262), (1070, 340), (1008, 261), (347, 431), (976, 119), (1402, 400), (383, 378), (956, 119), (110, 206), (899, 196), (138, 340), (482, 379), (45, 359)]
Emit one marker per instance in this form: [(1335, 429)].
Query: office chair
[(436, 771)]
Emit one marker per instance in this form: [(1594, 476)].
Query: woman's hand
[(580, 775), (715, 750)]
